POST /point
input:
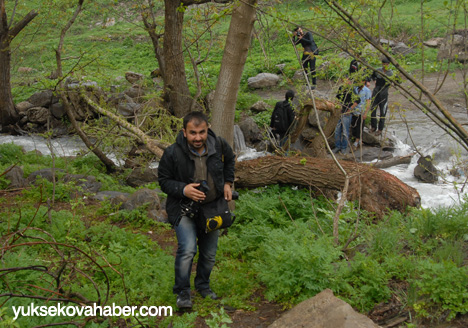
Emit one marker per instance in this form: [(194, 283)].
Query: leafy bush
[(441, 289)]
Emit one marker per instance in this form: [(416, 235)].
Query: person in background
[(361, 110), (380, 96), (310, 51), (349, 100), (282, 118), (197, 159)]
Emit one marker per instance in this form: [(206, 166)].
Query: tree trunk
[(232, 66), (377, 190), (8, 113), (176, 90), (317, 146)]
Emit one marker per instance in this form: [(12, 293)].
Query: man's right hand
[(193, 193)]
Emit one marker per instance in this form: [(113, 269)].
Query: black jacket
[(308, 43), (282, 117), (176, 169)]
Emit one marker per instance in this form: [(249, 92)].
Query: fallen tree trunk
[(377, 190)]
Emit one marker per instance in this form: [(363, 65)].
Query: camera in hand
[(189, 207)]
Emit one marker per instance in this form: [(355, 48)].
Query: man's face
[(196, 134)]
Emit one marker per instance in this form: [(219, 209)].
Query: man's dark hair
[(196, 117), (289, 95), (385, 60), (295, 30)]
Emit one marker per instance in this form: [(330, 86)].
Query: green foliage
[(441, 288), (220, 319)]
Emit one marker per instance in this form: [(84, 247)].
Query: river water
[(417, 130)]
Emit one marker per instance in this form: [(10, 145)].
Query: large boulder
[(43, 98), (425, 171), (263, 80), (83, 183), (133, 77), (323, 311), (250, 130)]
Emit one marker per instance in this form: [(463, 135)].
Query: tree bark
[(8, 113), (377, 190), (232, 66), (317, 146)]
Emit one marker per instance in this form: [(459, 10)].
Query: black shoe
[(313, 87), (208, 293), (336, 150), (184, 300)]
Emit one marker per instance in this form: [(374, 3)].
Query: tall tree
[(232, 66), (171, 56), (8, 31)]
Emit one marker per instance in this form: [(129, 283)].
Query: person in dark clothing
[(197, 157), (354, 66), (349, 100), (282, 118), (310, 51), (380, 96)]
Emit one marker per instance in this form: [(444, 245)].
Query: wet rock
[(57, 110), (323, 310), (250, 130), (425, 171)]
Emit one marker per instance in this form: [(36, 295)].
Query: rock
[(83, 183), (390, 43), (142, 197), (250, 130), (25, 69), (46, 174), (259, 106), (16, 177), (323, 117), (133, 77), (114, 197), (433, 43), (128, 107), (23, 106), (141, 176), (136, 92), (299, 75), (402, 49), (57, 110), (323, 311), (38, 115), (425, 171), (310, 133), (263, 80), (453, 47), (43, 98)]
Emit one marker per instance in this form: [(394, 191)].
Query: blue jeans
[(187, 233), (342, 131)]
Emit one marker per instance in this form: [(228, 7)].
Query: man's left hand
[(227, 192)]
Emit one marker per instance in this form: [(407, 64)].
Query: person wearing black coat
[(197, 159), (310, 51)]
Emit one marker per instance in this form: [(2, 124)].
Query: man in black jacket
[(310, 51), (282, 118), (197, 169)]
